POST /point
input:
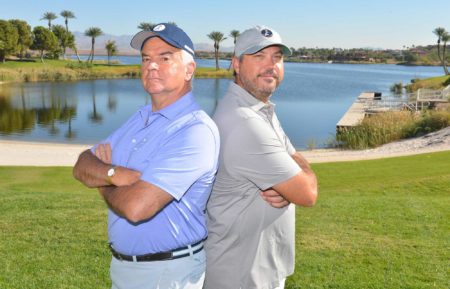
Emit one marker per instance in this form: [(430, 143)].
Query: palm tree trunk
[(216, 54), (443, 59), (76, 52), (92, 49), (231, 62), (439, 50)]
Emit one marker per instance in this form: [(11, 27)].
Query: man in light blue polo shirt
[(156, 172)]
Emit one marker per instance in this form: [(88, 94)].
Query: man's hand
[(104, 153), (274, 199), (123, 176)]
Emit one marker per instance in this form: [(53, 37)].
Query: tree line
[(16, 37)]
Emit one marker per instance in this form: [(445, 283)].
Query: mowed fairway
[(377, 224)]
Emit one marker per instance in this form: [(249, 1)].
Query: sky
[(386, 24)]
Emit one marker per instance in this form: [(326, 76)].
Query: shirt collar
[(173, 110), (244, 98)]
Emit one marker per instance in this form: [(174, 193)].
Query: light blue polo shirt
[(175, 149)]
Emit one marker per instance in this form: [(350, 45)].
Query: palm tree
[(217, 37), (441, 34), (235, 34), (66, 14), (111, 49), (92, 32), (146, 26), (49, 16)]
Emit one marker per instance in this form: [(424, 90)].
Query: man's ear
[(235, 62), (190, 68)]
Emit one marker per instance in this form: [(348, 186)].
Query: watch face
[(111, 172)]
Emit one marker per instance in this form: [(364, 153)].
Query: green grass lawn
[(377, 224)]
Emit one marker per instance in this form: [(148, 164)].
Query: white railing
[(418, 100), (429, 94), (385, 104)]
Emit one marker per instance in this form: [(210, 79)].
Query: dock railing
[(415, 101)]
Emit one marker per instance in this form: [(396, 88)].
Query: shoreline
[(23, 153)]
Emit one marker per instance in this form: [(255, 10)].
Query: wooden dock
[(369, 103), (357, 111)]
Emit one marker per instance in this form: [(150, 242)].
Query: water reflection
[(20, 114), (81, 112)]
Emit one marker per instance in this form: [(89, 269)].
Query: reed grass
[(70, 70), (211, 72), (383, 128)]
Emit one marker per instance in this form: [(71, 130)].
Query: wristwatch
[(111, 172)]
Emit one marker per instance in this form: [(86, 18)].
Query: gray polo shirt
[(250, 244)]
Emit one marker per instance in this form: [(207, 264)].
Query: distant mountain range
[(123, 44)]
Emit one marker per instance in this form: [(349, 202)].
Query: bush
[(429, 121), (447, 82), (397, 88)]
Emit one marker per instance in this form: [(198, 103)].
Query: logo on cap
[(159, 27), (266, 33)]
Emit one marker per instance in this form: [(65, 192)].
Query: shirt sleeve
[(253, 151), (184, 158)]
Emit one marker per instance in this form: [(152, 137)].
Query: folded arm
[(300, 189), (92, 172), (136, 202), (124, 193)]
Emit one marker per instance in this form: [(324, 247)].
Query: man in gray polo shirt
[(251, 220)]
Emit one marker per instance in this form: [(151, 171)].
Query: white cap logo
[(266, 33), (159, 27)]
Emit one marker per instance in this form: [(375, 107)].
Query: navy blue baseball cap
[(170, 33)]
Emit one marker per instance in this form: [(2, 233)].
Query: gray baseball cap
[(259, 37)]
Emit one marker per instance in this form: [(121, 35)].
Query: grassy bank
[(438, 82), (68, 70), (377, 224)]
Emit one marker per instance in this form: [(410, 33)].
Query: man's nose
[(151, 65)]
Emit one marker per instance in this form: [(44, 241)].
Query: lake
[(309, 102)]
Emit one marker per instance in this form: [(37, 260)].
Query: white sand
[(13, 153)]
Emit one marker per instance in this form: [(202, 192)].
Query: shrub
[(397, 88), (428, 122)]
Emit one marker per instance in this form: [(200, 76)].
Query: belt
[(161, 256)]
